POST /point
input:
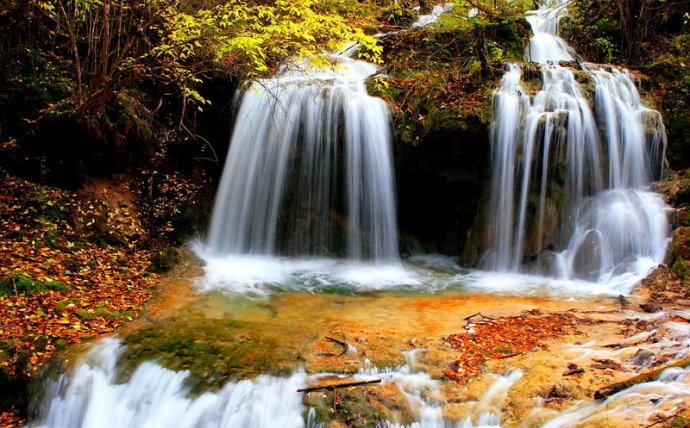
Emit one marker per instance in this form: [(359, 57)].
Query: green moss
[(102, 312), (165, 260), (62, 305), (57, 286), (214, 351), (353, 409), (679, 422), (24, 285)]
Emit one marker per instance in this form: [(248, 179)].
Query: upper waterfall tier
[(309, 171), (545, 45)]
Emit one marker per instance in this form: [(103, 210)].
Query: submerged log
[(641, 378), (338, 385)]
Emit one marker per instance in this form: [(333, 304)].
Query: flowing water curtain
[(309, 171), (556, 164)]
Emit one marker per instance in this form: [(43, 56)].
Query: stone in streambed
[(651, 307), (641, 358)]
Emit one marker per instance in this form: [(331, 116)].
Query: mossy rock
[(360, 407), (215, 351), (682, 196), (62, 305), (681, 243), (102, 312), (192, 218), (24, 285), (164, 260)]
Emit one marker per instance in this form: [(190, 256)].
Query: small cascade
[(648, 401), (569, 187), (425, 397), (430, 18), (490, 405), (642, 402), (91, 395), (309, 171), (545, 44)]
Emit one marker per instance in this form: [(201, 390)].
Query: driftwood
[(641, 378), (667, 418), (479, 314), (342, 343), (331, 386), (575, 371)]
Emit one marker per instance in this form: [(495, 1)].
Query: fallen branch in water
[(338, 385), (470, 322), (573, 369), (666, 419), (345, 345), (626, 345), (517, 354), (642, 378)]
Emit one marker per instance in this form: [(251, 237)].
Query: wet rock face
[(440, 183), (676, 191), (588, 258), (643, 357), (544, 264)]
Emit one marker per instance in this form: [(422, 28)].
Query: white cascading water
[(545, 44), (91, 396), (572, 180), (436, 12), (309, 157)]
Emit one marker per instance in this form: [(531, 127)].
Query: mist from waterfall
[(309, 171), (569, 186)]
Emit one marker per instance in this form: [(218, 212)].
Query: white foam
[(260, 275), (436, 12), (533, 285)]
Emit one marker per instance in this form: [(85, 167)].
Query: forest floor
[(71, 268)]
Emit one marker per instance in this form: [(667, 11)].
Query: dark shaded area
[(440, 183)]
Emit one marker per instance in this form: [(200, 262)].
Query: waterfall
[(309, 171), (569, 184), (545, 44)]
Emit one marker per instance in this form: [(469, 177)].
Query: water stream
[(91, 396)]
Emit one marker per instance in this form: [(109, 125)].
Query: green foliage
[(442, 76), (621, 30), (605, 49), (110, 64), (593, 28)]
